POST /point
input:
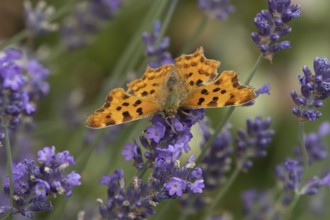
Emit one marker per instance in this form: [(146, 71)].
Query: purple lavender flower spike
[(253, 142), (37, 19), (156, 48), (20, 84), (138, 200), (314, 89), (315, 145), (215, 8), (88, 18), (264, 89), (217, 162), (272, 24), (34, 183), (258, 205)]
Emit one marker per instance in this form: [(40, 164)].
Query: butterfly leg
[(169, 124)]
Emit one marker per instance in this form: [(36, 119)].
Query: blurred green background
[(81, 78)]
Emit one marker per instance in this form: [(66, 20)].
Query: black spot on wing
[(118, 108), (191, 83), (223, 91), (236, 85), (109, 99), (138, 102), (125, 104), (110, 122), (229, 103), (216, 89), (213, 102), (139, 111), (126, 116), (200, 101), (144, 93), (125, 96), (188, 75), (204, 92), (218, 82), (199, 82)]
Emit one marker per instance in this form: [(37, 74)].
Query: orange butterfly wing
[(121, 107), (224, 91), (196, 70), (151, 82)]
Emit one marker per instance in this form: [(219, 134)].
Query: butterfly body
[(174, 92), (191, 83)]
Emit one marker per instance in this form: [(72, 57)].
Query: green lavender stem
[(288, 211), (254, 69), (301, 136), (302, 146), (9, 161), (222, 192)]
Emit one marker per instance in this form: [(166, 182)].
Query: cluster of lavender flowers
[(89, 17), (314, 89), (272, 24), (35, 183), (155, 47), (163, 144), (253, 142), (37, 18), (219, 9), (22, 85), (291, 179), (217, 163)]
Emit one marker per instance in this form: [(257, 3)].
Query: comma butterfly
[(191, 83)]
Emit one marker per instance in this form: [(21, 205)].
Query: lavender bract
[(272, 24), (314, 89)]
